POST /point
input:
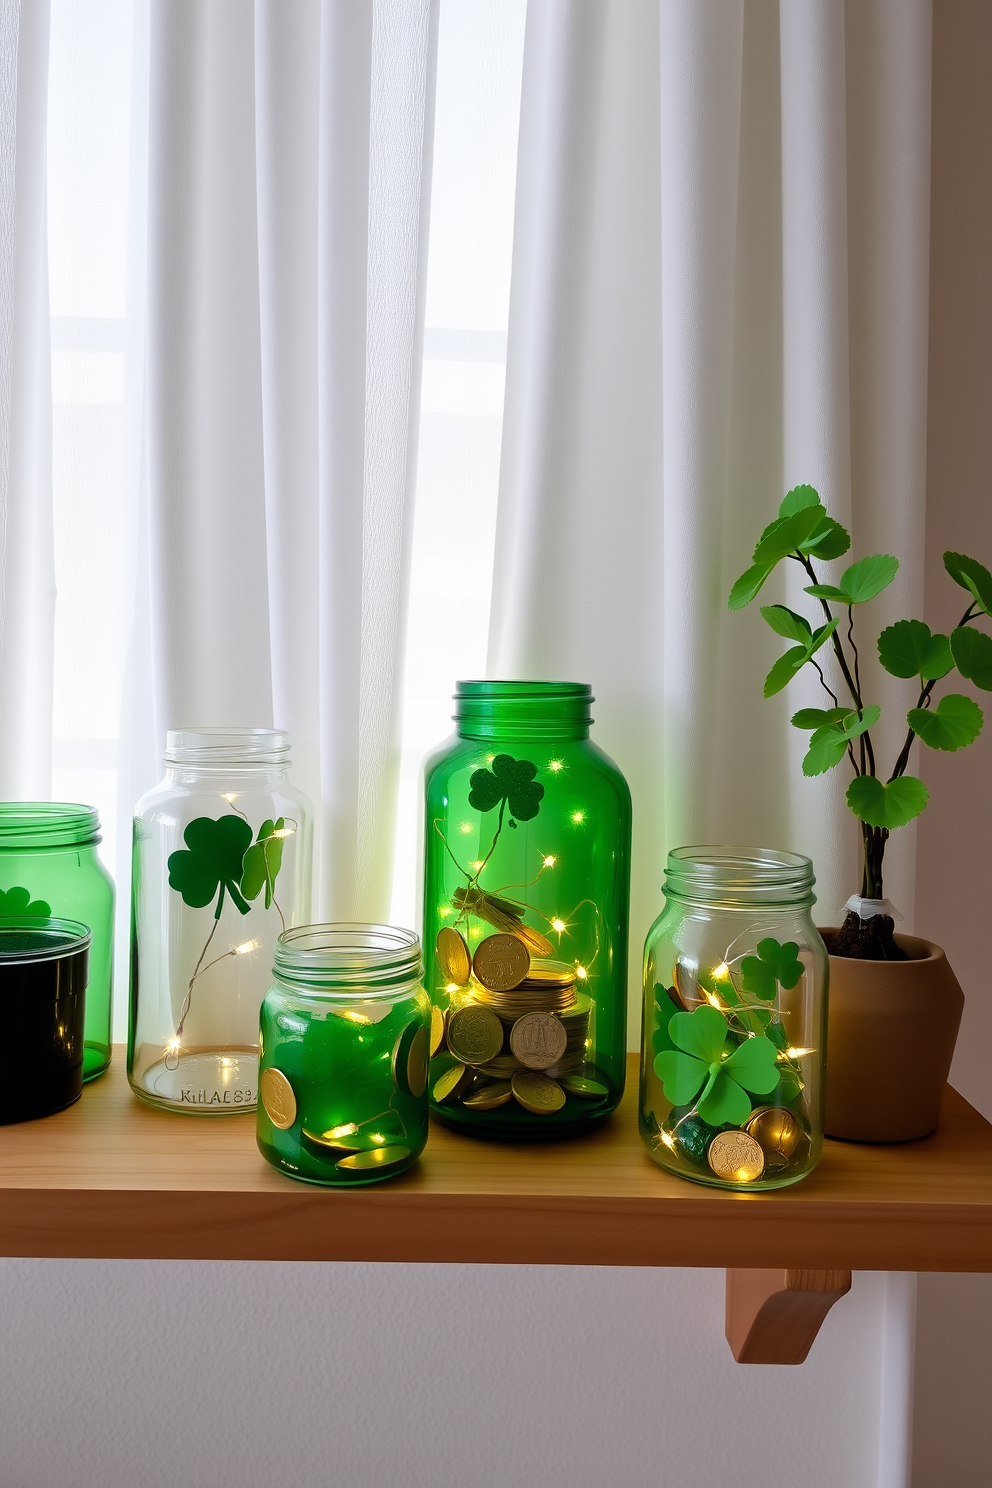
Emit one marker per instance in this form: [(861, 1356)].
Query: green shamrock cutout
[(212, 860), (704, 1059), (263, 861), (773, 963), (16, 904), (511, 781), (666, 1006)]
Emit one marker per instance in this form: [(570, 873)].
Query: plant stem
[(924, 702)]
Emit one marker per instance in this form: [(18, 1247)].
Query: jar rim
[(347, 957), (26, 824), (526, 708), (226, 745), (52, 939), (739, 874)]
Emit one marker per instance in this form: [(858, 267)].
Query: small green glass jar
[(734, 1031), (43, 973), (343, 1053), (526, 891), (49, 865)]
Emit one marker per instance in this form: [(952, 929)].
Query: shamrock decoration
[(262, 861), (16, 903), (773, 963), (212, 860), (705, 1059), (510, 781)]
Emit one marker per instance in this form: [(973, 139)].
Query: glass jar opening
[(735, 876), (34, 824), (207, 747), (345, 958), (486, 709), (28, 940)]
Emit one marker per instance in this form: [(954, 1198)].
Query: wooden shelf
[(110, 1177)]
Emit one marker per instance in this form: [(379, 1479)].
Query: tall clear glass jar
[(526, 890), (344, 1047), (49, 865), (735, 1020), (220, 867)]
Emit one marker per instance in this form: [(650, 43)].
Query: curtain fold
[(27, 564), (719, 291), (289, 154)]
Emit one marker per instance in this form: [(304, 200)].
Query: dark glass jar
[(526, 899), (49, 865), (43, 973), (734, 1031)]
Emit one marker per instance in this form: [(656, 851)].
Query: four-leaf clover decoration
[(211, 861), (16, 903), (705, 1059), (511, 781), (773, 963), (263, 860)]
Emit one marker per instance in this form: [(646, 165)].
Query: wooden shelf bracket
[(774, 1316)]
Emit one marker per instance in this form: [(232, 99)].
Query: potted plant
[(894, 1003)]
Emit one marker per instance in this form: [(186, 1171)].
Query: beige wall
[(953, 1423)]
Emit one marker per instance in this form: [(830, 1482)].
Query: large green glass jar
[(735, 1018), (343, 1048), (49, 865), (526, 894)]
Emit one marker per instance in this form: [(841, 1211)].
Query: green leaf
[(263, 861), (786, 622), (821, 636), (785, 669), (829, 540), (665, 1010), (798, 499), (828, 744), (510, 780), (725, 1103), (787, 534), (908, 649), (971, 575), (956, 721), (752, 1065), (211, 861), (702, 1032), (890, 803), (774, 963), (814, 718), (748, 585), (861, 582), (972, 652), (683, 1075), (16, 904)]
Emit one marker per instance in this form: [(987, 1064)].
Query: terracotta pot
[(891, 1029)]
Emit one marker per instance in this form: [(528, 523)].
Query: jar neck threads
[(348, 958), (224, 748), (40, 824), (739, 877), (553, 710)]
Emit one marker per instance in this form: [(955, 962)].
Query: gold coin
[(453, 956), (736, 1156), (475, 1035), (323, 1144), (450, 1083), (488, 1097), (538, 1040), (375, 1157), (278, 1098), (584, 1088), (437, 1029), (501, 962), (776, 1130), (416, 1063), (537, 1093), (551, 974)]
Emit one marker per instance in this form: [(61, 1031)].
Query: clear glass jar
[(526, 892), (220, 866), (49, 865), (344, 1041), (735, 1018)]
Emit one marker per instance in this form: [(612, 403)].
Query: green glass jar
[(526, 901), (735, 1018), (49, 865), (343, 1053)]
